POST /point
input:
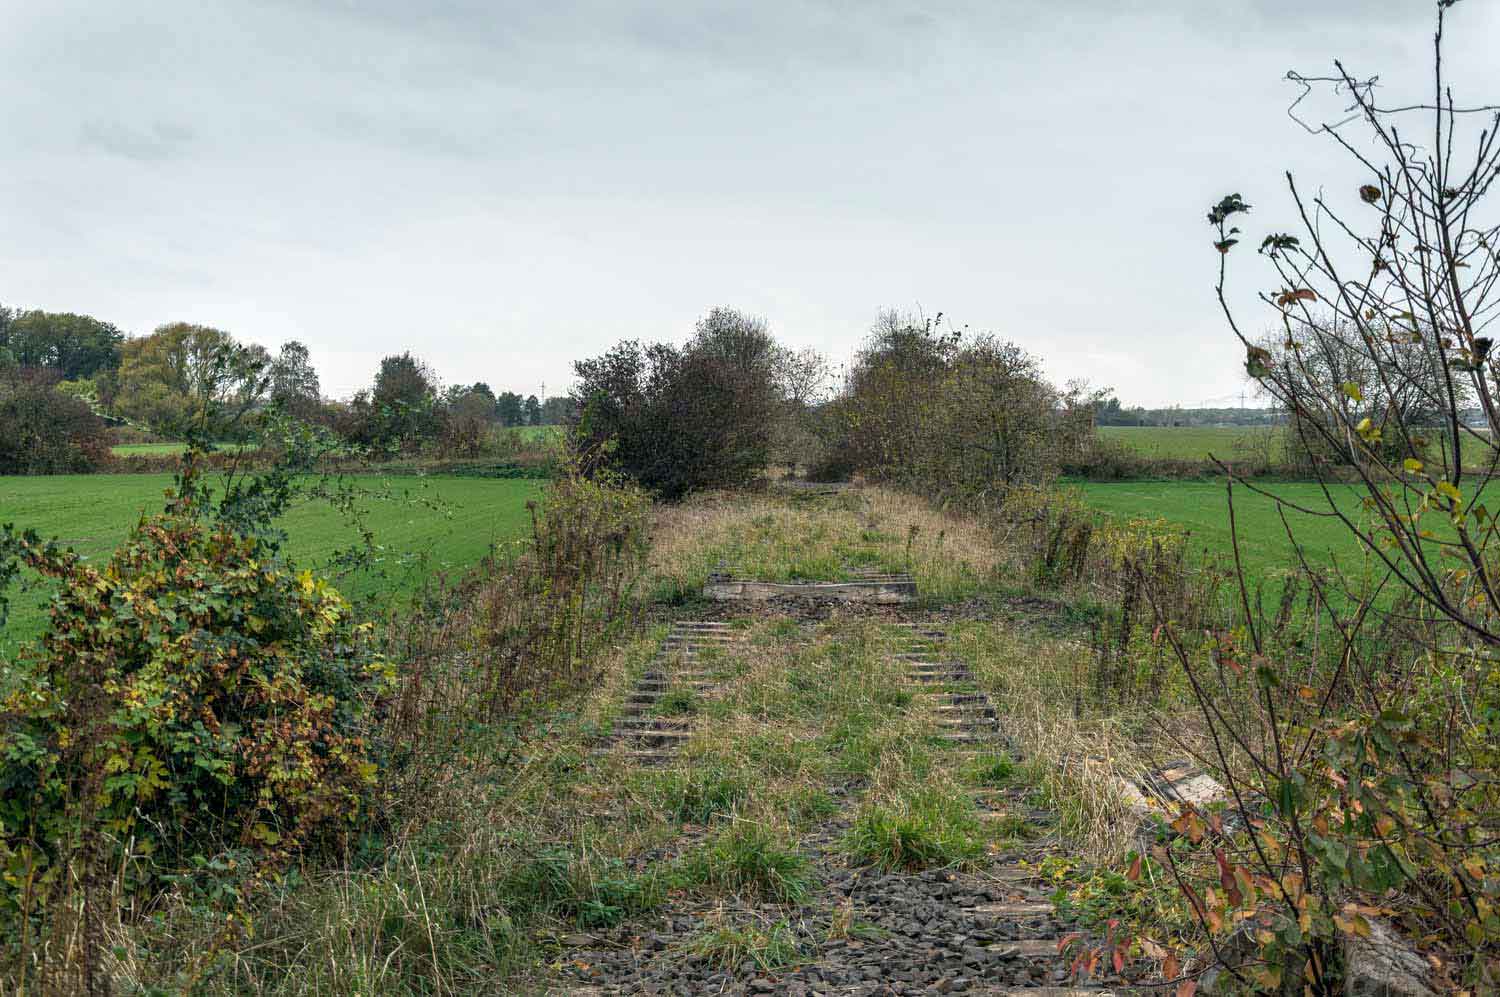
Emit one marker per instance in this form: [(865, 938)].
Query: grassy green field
[(1196, 442), (159, 449), (530, 434), (543, 433), (93, 513), (1200, 507), (1229, 443)]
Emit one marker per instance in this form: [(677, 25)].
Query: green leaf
[(1286, 798)]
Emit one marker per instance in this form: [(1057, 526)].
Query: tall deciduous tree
[(557, 410), (474, 403), (511, 409), (294, 381), (76, 346), (186, 376), (404, 401)]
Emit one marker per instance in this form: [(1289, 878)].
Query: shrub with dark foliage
[(683, 419), (43, 431)]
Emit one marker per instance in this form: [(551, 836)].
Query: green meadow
[(159, 449), (423, 526), (1196, 442), (1200, 508)]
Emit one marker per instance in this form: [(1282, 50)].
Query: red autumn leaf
[(1226, 877)]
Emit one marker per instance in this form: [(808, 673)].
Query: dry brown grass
[(776, 537), (1076, 749), (358, 928), (800, 711)]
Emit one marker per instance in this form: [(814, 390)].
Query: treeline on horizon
[(920, 403), (1110, 412), (72, 385)]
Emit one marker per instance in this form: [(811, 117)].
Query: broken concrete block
[(1178, 782), (885, 592), (1382, 965)]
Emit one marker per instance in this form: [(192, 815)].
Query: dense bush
[(684, 419), (43, 431), (193, 706), (963, 418)]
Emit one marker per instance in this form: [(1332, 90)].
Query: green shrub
[(43, 431), (683, 419), (192, 697)]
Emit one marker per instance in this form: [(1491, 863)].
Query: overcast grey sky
[(505, 187)]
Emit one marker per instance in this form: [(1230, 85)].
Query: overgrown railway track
[(983, 925)]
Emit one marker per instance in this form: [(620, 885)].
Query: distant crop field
[(425, 526), (1197, 442), (1201, 509), (159, 449), (539, 432)]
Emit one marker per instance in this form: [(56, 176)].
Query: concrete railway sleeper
[(655, 722)]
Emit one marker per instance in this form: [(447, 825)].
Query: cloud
[(508, 185), (154, 143)]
